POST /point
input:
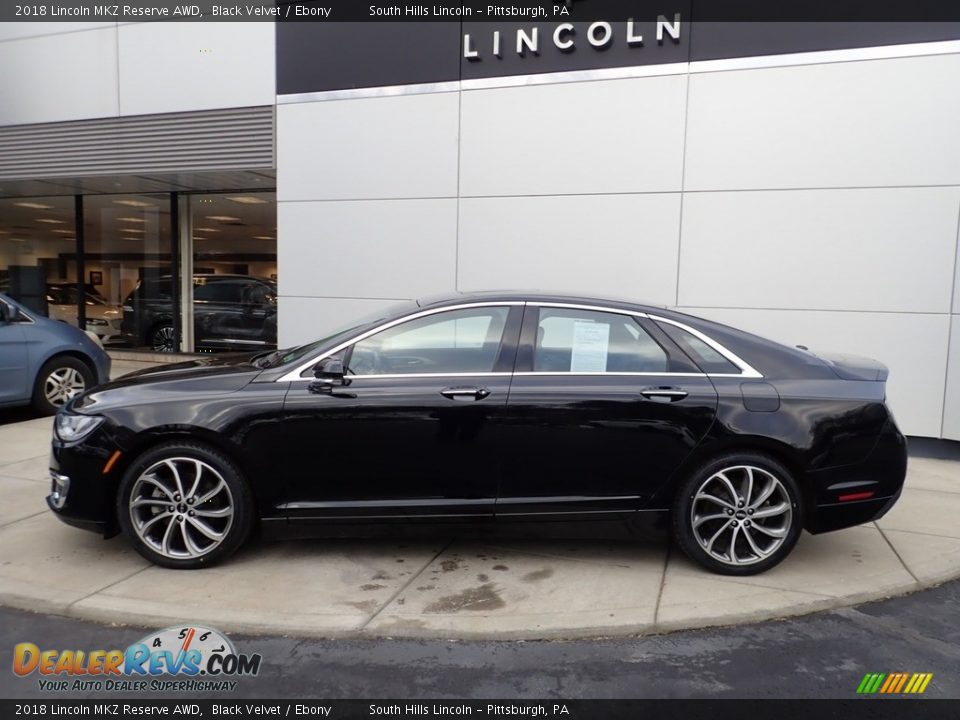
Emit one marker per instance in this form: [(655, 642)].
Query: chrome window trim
[(294, 375), (594, 308), (746, 370), (428, 375), (537, 373)]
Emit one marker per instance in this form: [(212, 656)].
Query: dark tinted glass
[(708, 359)]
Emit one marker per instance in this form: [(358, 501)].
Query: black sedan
[(488, 408)]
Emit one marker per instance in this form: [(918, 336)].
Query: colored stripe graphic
[(894, 683)]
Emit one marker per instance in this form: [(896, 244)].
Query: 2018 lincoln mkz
[(488, 408)]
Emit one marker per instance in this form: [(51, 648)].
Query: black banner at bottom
[(876, 709)]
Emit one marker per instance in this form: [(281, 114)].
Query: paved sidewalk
[(452, 587)]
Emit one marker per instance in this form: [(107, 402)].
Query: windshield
[(291, 355)]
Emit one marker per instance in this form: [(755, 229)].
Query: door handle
[(465, 393), (669, 394)]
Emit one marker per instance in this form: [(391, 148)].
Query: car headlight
[(71, 428)]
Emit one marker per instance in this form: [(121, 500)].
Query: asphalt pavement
[(825, 655)]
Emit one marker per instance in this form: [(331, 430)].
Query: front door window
[(452, 342)]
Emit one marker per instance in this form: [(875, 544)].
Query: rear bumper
[(852, 495)]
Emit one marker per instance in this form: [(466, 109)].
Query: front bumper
[(81, 494)]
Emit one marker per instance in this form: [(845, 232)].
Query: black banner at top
[(328, 11), (497, 709)]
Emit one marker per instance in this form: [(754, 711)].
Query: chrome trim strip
[(369, 92), (823, 57), (536, 373), (427, 375), (594, 308), (569, 76), (294, 375), (748, 370)]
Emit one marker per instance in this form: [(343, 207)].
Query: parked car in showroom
[(44, 362), (230, 312), (103, 319), (488, 408)]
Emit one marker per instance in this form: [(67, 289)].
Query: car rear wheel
[(162, 338), (184, 505), (60, 380), (738, 515)]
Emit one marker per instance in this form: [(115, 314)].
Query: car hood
[(212, 375)]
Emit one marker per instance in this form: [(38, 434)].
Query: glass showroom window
[(234, 266), (127, 258), (38, 256)]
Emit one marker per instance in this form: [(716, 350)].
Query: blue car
[(44, 362)]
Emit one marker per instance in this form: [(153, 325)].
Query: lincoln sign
[(564, 37)]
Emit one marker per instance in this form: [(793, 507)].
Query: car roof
[(536, 296)]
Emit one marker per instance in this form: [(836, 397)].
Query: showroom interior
[(797, 180)]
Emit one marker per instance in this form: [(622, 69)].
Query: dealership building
[(798, 180)]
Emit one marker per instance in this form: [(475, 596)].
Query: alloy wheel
[(62, 385), (162, 340), (181, 507), (741, 515)]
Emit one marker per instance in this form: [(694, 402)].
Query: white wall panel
[(593, 137), (369, 248), (876, 249), (914, 347), (392, 147), (176, 67), (55, 78), (873, 123), (305, 319), (620, 245), (17, 30), (951, 415)]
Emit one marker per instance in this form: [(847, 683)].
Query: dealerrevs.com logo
[(200, 658)]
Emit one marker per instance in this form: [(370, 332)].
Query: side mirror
[(8, 313), (329, 373), (329, 369)]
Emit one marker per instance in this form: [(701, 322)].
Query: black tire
[(64, 374), (234, 532), (161, 338), (738, 532)]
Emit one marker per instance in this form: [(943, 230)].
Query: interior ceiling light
[(131, 238), (4, 232), (207, 230), (62, 231), (131, 219), (264, 237), (52, 221), (223, 218), (34, 206), (248, 200), (133, 203), (132, 230)]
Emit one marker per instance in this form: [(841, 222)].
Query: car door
[(416, 429), (15, 385), (603, 408)]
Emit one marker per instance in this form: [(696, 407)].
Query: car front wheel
[(184, 505), (59, 381), (738, 515)]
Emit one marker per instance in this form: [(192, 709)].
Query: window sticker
[(591, 343)]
